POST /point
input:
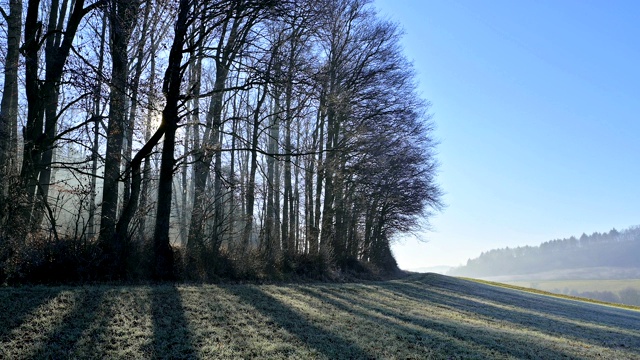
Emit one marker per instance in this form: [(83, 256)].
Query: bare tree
[(235, 23), (42, 95), (290, 130)]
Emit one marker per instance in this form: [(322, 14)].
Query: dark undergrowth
[(44, 260)]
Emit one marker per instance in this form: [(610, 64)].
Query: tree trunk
[(272, 238), (144, 196), (320, 175), (193, 244), (133, 109), (122, 15), (251, 180), (51, 91), (96, 132), (35, 116), (9, 104), (203, 158), (218, 218), (289, 220), (163, 269)]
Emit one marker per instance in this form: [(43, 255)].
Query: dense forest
[(615, 249), (195, 139)]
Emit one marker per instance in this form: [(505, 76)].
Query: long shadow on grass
[(331, 345), (572, 310), (172, 338), (622, 325), (458, 337), (61, 342), (494, 299), (17, 303)]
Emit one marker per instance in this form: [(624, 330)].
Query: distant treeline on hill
[(613, 249)]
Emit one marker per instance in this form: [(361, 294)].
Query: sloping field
[(419, 317), (565, 286)]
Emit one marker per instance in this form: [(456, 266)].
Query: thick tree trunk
[(122, 14), (163, 269), (9, 104), (328, 211), (35, 114)]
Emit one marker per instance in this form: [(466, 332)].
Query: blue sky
[(537, 108)]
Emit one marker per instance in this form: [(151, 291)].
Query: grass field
[(421, 317)]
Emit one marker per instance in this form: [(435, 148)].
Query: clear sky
[(537, 108)]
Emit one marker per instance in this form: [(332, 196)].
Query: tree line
[(615, 249), (198, 139)]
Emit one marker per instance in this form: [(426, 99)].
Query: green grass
[(419, 317)]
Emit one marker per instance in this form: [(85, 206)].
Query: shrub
[(40, 259)]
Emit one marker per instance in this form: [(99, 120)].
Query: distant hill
[(431, 269), (613, 254)]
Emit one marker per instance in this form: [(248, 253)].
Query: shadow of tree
[(96, 334), (608, 327), (171, 333), (61, 342), (453, 339), (325, 342), (17, 304), (611, 316)]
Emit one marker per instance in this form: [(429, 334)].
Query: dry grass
[(419, 317)]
